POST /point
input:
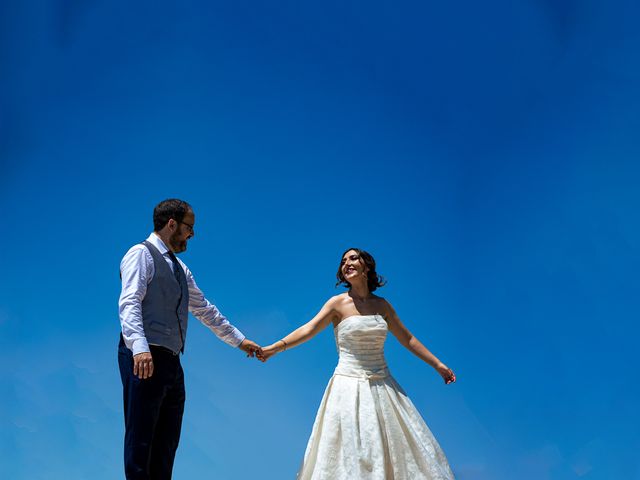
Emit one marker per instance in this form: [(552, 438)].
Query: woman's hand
[(446, 373), (270, 351)]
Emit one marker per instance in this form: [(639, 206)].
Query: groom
[(158, 291)]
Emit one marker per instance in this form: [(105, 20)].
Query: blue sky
[(485, 153)]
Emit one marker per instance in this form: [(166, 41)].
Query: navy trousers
[(153, 411)]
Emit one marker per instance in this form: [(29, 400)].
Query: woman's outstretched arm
[(301, 334), (411, 343)]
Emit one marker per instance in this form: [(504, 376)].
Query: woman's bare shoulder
[(384, 306), (337, 300)]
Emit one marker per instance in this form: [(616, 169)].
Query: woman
[(366, 426)]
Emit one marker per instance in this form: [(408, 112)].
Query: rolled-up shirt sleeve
[(209, 314), (134, 269)]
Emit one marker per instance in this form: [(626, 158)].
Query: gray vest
[(165, 306)]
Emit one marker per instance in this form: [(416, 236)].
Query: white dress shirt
[(137, 270)]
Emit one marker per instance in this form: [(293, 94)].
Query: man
[(158, 291)]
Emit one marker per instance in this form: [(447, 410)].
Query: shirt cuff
[(140, 345), (238, 340)]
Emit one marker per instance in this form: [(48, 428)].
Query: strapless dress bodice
[(360, 343)]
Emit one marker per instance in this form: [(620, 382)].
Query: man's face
[(183, 233)]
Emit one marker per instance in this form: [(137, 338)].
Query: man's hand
[(251, 348), (143, 365)]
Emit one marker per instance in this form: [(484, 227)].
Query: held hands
[(446, 373), (271, 350), (251, 348)]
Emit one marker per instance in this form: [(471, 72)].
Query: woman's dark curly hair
[(373, 279)]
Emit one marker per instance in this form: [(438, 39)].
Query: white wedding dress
[(366, 426)]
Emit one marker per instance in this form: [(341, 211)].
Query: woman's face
[(352, 266)]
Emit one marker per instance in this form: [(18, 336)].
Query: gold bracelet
[(285, 345)]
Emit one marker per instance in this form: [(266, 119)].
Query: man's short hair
[(168, 209)]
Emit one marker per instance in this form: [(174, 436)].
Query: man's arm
[(135, 271), (211, 317)]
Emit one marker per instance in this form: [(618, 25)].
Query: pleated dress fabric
[(366, 427)]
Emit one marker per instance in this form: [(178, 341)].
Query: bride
[(366, 426)]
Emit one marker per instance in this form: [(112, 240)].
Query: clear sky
[(485, 153)]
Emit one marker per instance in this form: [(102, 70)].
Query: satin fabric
[(366, 427)]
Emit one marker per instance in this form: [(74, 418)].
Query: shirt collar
[(157, 242)]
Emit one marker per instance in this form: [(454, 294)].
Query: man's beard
[(177, 245)]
